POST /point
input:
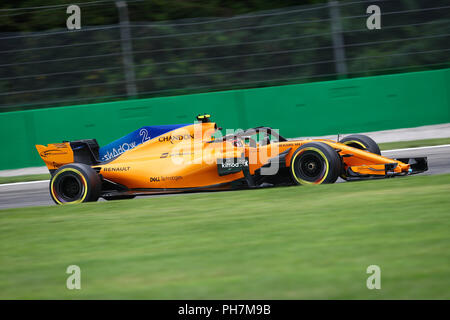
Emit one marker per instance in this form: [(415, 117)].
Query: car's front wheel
[(360, 141), (315, 163)]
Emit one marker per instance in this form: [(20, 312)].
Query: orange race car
[(195, 157)]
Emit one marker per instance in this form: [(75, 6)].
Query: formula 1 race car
[(191, 157)]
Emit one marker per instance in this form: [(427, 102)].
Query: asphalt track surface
[(36, 193)]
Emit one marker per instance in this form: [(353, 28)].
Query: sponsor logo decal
[(51, 152), (231, 165), (291, 144), (165, 178), (176, 154), (176, 138), (117, 169), (238, 164), (130, 141), (115, 152)]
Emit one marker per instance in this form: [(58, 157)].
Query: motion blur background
[(307, 70), (167, 47)]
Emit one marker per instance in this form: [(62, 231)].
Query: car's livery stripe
[(133, 139)]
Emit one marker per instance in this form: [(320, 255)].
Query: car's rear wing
[(56, 155)]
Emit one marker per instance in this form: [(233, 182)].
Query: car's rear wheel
[(360, 141), (75, 183), (315, 163)]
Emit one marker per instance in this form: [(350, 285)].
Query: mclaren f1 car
[(194, 157)]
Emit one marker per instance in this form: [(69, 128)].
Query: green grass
[(30, 177), (279, 243), (413, 144)]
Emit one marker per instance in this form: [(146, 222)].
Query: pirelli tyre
[(362, 142), (315, 163), (75, 183)]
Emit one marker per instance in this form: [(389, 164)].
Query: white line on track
[(19, 183), (384, 151), (418, 148)]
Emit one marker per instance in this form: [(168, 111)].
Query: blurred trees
[(175, 52), (105, 12)]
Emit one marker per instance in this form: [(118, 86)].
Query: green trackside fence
[(321, 108)]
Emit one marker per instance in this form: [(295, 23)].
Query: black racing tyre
[(75, 183), (124, 197), (315, 163), (362, 142)]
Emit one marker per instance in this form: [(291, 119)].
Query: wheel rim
[(310, 167), (70, 188)]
